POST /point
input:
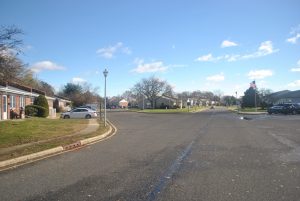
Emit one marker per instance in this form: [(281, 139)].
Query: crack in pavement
[(175, 166)]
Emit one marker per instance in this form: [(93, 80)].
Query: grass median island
[(183, 110), (38, 134), (234, 108)]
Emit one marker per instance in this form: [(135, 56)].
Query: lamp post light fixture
[(105, 72)]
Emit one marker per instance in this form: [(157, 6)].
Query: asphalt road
[(210, 156)]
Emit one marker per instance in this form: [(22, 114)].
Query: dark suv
[(286, 108)]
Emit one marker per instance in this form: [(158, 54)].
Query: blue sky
[(194, 45)]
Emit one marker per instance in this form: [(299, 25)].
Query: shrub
[(36, 111), (176, 107), (31, 110), (42, 102)]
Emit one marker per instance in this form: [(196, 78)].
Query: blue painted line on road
[(166, 177)]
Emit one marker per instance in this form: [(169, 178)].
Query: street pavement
[(213, 155)]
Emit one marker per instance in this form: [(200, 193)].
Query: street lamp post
[(236, 101), (143, 102), (105, 72)]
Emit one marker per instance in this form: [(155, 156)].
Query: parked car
[(276, 109), (294, 108), (287, 108), (87, 106), (79, 113)]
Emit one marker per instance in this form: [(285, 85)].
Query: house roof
[(169, 97), (123, 101), (62, 98), (285, 94), (13, 87), (293, 94)]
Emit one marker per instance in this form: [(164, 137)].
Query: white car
[(78, 113)]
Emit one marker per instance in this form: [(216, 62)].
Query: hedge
[(36, 111)]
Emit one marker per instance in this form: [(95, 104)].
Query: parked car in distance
[(294, 108), (276, 109), (78, 113), (286, 108), (87, 106)]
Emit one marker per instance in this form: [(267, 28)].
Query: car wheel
[(66, 117), (294, 112), (88, 116)]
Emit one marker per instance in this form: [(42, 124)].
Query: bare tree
[(10, 68), (10, 46), (9, 39), (152, 88)]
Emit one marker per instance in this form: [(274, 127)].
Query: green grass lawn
[(183, 110), (56, 132), (16, 132)]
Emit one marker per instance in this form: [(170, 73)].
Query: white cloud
[(207, 57), (295, 35), (264, 49), (156, 66), (294, 84), (293, 39), (295, 69), (216, 78), (149, 67), (259, 74), (45, 65), (109, 52), (78, 80), (227, 43)]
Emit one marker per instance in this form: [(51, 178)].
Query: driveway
[(213, 155)]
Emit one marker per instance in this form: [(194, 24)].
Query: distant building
[(162, 101), (285, 96), (123, 103), (61, 102)]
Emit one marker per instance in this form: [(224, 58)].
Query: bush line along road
[(212, 155)]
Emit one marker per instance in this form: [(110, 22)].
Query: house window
[(12, 101), (4, 103), (22, 101)]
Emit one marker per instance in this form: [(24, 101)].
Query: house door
[(4, 107)]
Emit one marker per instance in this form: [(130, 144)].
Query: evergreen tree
[(42, 101), (250, 97)]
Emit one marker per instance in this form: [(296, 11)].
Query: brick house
[(14, 97)]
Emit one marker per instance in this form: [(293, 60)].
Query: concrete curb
[(57, 150), (252, 113), (97, 138), (33, 156)]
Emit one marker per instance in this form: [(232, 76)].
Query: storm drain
[(245, 118), (72, 146)]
